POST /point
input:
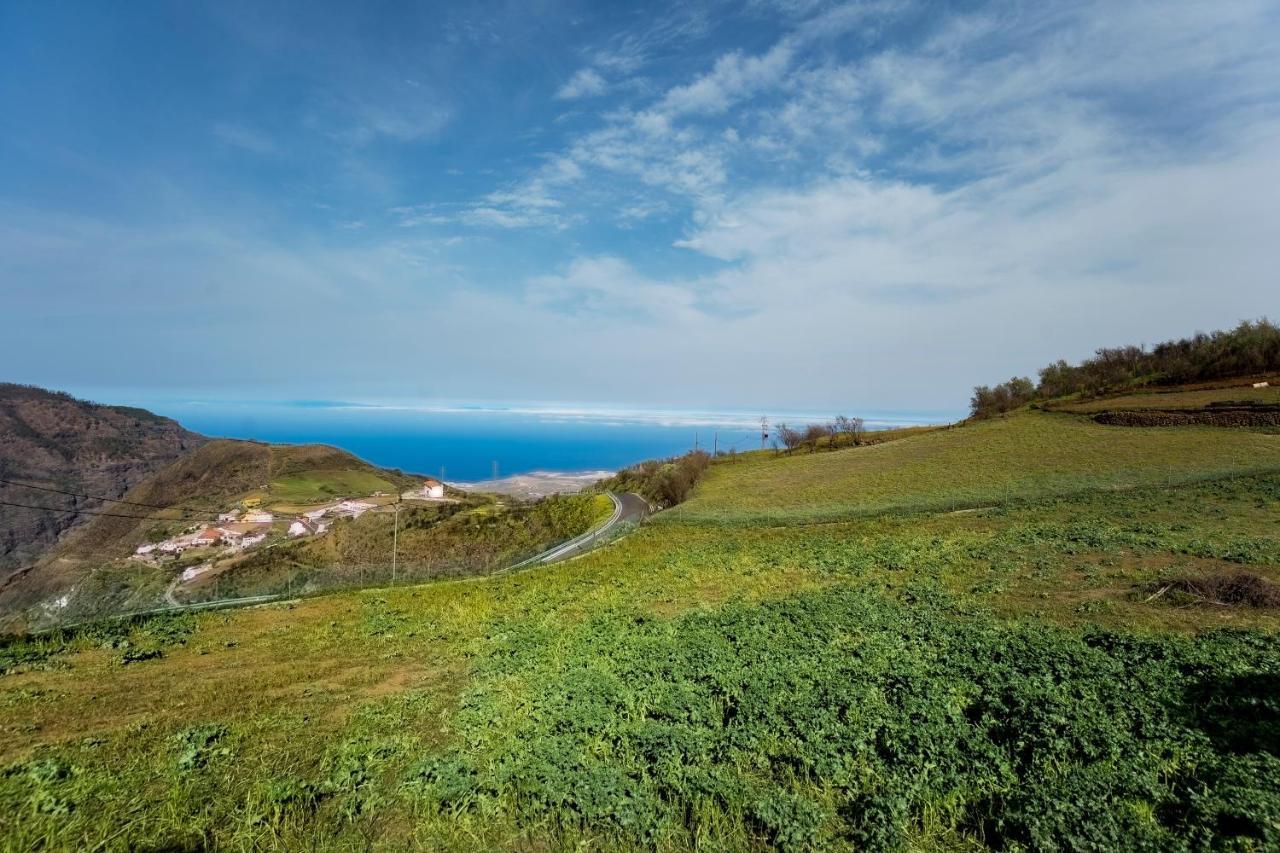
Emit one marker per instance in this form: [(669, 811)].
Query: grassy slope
[(1033, 454), (850, 683), (318, 486)]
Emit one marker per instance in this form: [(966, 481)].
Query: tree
[(790, 438), (814, 433), (840, 426), (833, 434), (852, 427), (988, 402)]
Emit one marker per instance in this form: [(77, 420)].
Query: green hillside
[(1031, 455), (934, 649)]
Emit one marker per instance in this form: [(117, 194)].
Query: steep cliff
[(53, 440)]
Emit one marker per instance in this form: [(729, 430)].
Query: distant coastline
[(463, 442), (536, 484)]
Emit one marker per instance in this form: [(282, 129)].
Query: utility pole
[(695, 441), (495, 469), (395, 542), (764, 430), (716, 445), (442, 473)]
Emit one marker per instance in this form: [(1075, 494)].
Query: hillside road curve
[(628, 507)]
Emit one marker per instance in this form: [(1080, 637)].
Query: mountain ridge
[(56, 441)]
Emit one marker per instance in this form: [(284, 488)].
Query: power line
[(98, 497), (96, 512)]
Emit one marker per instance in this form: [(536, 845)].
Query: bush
[(665, 482), (1014, 394)]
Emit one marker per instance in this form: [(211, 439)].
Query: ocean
[(464, 442)]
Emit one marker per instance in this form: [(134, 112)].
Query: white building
[(318, 512), (257, 516), (301, 527), (144, 550), (252, 539), (230, 535), (354, 508), (432, 489), (229, 516)]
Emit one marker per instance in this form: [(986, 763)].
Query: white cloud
[(585, 83), (610, 286), (733, 78)]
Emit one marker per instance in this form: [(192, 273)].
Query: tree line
[(1251, 348), (841, 430)]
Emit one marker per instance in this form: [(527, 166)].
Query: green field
[(319, 486), (854, 664)]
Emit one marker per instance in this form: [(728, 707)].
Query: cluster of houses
[(237, 530), (243, 530)]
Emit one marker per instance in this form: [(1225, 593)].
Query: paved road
[(630, 508), (626, 508)]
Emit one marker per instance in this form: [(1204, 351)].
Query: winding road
[(627, 507)]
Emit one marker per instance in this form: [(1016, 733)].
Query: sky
[(830, 205)]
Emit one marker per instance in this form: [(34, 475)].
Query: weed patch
[(847, 718), (198, 746)]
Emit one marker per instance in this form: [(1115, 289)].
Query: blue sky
[(772, 204)]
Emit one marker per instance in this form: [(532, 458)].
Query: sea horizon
[(461, 440)]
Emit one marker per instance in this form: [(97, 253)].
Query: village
[(249, 525)]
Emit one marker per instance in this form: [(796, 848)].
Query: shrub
[(665, 482)]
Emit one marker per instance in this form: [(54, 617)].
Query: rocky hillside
[(191, 490), (52, 439)]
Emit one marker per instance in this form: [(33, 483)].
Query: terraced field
[(879, 671), (317, 486), (1178, 399)]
